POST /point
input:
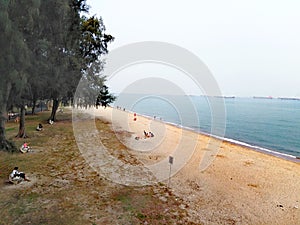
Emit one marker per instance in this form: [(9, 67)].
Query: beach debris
[(280, 206)]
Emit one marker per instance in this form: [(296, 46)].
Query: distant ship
[(258, 97), (224, 96), (281, 98), (295, 99)]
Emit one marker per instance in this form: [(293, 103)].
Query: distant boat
[(224, 96), (294, 99), (261, 97)]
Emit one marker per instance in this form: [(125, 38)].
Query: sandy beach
[(220, 182)]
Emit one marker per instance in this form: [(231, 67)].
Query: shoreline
[(240, 186), (266, 151)]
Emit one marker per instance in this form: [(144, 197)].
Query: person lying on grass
[(25, 148), (39, 127), (16, 176)]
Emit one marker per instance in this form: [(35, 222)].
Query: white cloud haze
[(251, 47)]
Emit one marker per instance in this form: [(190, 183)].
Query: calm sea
[(264, 124)]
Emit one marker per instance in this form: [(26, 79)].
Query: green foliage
[(94, 40), (46, 48), (105, 98), (90, 84), (14, 55)]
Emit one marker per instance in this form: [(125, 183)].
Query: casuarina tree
[(14, 61), (46, 47), (104, 98)]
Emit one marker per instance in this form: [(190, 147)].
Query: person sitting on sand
[(39, 127), (151, 134), (148, 135), (16, 176), (25, 147), (145, 134)]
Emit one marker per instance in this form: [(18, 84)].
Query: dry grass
[(116, 147), (65, 190)]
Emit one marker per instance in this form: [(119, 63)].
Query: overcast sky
[(252, 48)]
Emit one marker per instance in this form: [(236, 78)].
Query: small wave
[(260, 149), (244, 144)]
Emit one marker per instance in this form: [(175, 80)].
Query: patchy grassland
[(65, 190)]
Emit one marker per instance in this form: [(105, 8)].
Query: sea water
[(271, 125)]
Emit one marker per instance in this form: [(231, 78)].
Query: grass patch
[(64, 189), (112, 140), (10, 129)]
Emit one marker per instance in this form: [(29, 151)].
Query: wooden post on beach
[(170, 162)]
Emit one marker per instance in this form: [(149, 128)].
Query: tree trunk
[(47, 105), (5, 144), (21, 133), (33, 106), (54, 109), (72, 102)]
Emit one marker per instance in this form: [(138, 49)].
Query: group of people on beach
[(16, 176), (25, 146), (146, 135), (40, 126)]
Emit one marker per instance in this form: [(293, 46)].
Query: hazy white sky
[(251, 47)]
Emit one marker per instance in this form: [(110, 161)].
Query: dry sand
[(240, 185)]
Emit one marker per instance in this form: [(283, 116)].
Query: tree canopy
[(104, 98), (46, 48)]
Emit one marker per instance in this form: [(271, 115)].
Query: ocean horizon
[(269, 125)]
